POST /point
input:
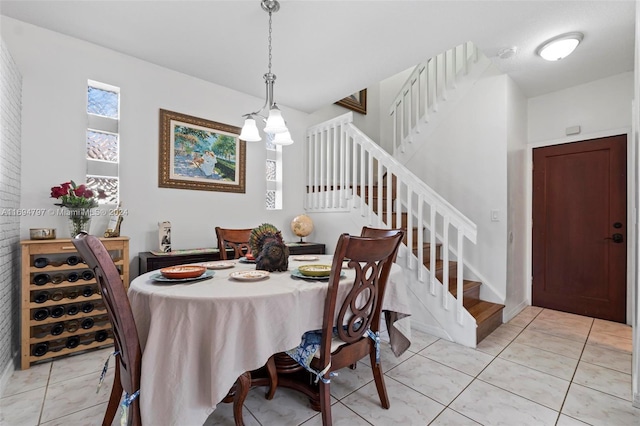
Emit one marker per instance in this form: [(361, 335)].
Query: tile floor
[(542, 368)]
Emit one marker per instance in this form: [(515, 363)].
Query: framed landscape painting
[(356, 102), (200, 154)]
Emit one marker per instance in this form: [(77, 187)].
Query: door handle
[(617, 238)]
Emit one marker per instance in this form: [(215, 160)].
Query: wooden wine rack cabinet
[(34, 332)]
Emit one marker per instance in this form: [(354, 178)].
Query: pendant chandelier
[(274, 123)]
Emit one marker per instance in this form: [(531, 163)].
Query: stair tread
[(483, 310)]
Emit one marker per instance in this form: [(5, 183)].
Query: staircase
[(348, 172)]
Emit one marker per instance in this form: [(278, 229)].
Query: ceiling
[(324, 50)]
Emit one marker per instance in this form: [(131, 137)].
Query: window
[(103, 140), (273, 175)]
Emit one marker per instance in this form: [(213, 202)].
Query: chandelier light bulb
[(250, 131), (275, 122), (283, 138)]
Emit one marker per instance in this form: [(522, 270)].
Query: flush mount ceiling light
[(274, 123), (559, 47)]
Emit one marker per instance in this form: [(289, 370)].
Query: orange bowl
[(184, 271)]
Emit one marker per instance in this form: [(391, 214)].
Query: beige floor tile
[(91, 416), (534, 385), (506, 331), (25, 380), (408, 407), (492, 345), (22, 409), (451, 418), (348, 380), (492, 406), (287, 408), (467, 360), (614, 328), (548, 342), (223, 416), (616, 360), (430, 378), (599, 409), (525, 317), (565, 329), (604, 380), (69, 396), (77, 365), (564, 317), (610, 341), (541, 360), (340, 415), (420, 340), (388, 359), (569, 421)]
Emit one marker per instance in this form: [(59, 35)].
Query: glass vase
[(79, 220)]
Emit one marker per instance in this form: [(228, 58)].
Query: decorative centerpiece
[(78, 200), (302, 226), (271, 252)]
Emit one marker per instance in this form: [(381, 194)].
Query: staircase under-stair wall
[(347, 172)]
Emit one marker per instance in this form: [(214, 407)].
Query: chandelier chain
[(269, 42)]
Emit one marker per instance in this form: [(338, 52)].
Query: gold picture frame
[(356, 102), (200, 154)]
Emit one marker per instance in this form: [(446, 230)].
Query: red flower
[(72, 195), (79, 191)]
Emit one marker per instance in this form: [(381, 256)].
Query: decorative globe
[(302, 226)]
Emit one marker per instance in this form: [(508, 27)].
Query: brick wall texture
[(10, 125)]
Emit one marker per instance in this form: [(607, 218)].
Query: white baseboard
[(507, 316)]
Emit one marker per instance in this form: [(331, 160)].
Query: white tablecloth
[(197, 338)]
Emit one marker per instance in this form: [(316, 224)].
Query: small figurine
[(272, 253)]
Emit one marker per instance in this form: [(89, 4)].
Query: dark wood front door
[(580, 229)]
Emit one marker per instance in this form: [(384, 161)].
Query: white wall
[(517, 281), (464, 159), (56, 69), (10, 96), (596, 107)]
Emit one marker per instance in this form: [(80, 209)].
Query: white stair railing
[(347, 171), (428, 85)]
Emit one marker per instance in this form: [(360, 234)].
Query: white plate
[(218, 265), (160, 278), (304, 258), (249, 275)]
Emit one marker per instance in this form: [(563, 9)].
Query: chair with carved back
[(127, 345), (126, 342), (236, 239), (350, 329), (379, 232)]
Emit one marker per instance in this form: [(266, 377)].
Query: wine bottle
[(57, 328), (41, 297), (101, 335), (87, 307), (41, 279), (56, 345), (87, 275), (57, 311), (72, 326), (40, 349), (57, 278), (73, 260), (72, 310), (40, 262), (72, 342), (87, 291), (72, 277), (73, 293), (57, 295), (87, 323), (41, 314)]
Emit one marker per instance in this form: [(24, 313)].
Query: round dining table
[(199, 336)]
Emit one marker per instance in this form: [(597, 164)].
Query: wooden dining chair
[(127, 345), (357, 322), (379, 232), (126, 342), (237, 239)]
